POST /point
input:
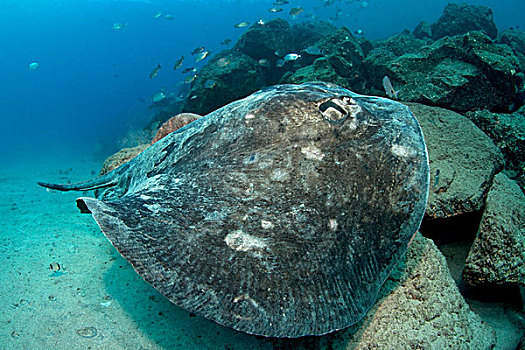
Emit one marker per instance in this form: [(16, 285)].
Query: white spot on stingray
[(144, 197), (332, 224), (403, 151), (249, 116), (266, 224), (280, 175), (352, 125), (312, 152), (153, 207), (245, 298), (243, 242)]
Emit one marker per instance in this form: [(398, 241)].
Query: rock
[(462, 18), (463, 161), (343, 52), (401, 44), (173, 124), (383, 59), (236, 75), (308, 33), (423, 31), (464, 72), (508, 133), (498, 252), (516, 40), (420, 307), (121, 157), (320, 70), (262, 41)]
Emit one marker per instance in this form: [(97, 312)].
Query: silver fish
[(389, 89), (291, 57)]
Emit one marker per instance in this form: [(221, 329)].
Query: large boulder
[(264, 40), (174, 123), (516, 40), (497, 255), (343, 51), (508, 133), (420, 307), (383, 59), (462, 18), (228, 76), (423, 31), (121, 157), (464, 72), (308, 33), (463, 161), (320, 70)]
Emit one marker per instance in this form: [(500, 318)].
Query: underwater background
[(80, 82), (92, 83)]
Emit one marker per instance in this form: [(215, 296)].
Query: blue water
[(93, 82)]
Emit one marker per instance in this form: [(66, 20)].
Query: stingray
[(280, 214)]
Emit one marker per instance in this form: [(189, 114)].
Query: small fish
[(242, 24), (118, 26), (190, 79), (155, 71), (159, 96), (281, 2), (210, 84), (364, 4), (33, 66), (279, 63), (296, 11), (389, 89), (54, 266), (201, 56), (198, 50), (178, 63), (275, 10), (157, 15), (226, 42), (170, 17), (261, 22), (264, 62), (291, 57), (193, 97), (358, 32), (189, 69), (314, 51)]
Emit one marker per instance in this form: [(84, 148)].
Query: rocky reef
[(458, 63)]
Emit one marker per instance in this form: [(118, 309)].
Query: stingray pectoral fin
[(101, 182)]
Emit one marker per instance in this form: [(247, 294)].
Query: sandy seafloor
[(96, 287), (97, 301)]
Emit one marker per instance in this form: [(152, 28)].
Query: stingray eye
[(337, 110)]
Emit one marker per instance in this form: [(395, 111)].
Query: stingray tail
[(100, 182)]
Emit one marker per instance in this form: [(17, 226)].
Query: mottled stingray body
[(280, 214)]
